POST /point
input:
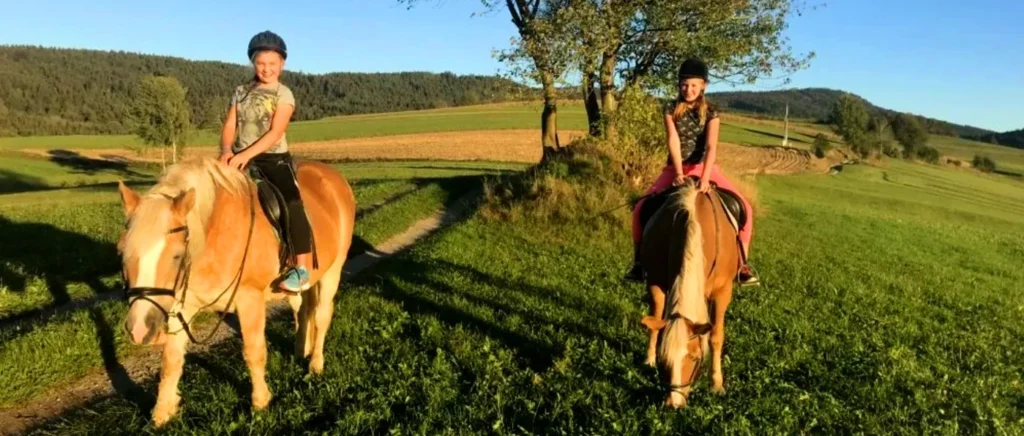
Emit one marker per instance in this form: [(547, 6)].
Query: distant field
[(435, 123), (571, 117), (1007, 159)]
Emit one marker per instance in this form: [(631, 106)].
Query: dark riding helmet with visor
[(267, 40)]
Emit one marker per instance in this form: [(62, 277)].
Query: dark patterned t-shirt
[(256, 109), (693, 137)]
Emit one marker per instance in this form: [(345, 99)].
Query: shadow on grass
[(79, 164), (773, 135), (12, 182), (57, 256)]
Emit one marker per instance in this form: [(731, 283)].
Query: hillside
[(1013, 138), (816, 104), (46, 91)]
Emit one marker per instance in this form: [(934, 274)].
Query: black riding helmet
[(267, 40), (693, 67)]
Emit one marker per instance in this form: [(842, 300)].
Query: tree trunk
[(174, 151), (608, 103), (590, 99), (549, 118), (163, 158)]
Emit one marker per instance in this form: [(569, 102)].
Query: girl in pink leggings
[(692, 127)]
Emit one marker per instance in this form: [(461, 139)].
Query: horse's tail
[(685, 301)]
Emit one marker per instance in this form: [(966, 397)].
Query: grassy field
[(736, 129), (889, 306), (1007, 159), (59, 247), (484, 117)]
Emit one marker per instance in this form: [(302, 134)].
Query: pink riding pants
[(665, 181)]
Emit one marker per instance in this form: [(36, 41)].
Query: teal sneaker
[(296, 279)]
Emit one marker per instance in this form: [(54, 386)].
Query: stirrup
[(296, 280), (747, 278)]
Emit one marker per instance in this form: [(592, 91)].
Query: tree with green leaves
[(161, 113), (849, 120), (616, 44), (537, 54), (909, 132)]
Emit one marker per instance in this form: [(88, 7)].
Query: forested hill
[(46, 91), (1013, 138), (816, 104)]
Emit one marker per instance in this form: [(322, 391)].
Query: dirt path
[(125, 376)]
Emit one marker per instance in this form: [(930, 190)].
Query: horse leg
[(654, 322), (252, 316), (298, 304), (722, 299), (170, 373), (324, 310)]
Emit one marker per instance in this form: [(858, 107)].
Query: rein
[(182, 278)]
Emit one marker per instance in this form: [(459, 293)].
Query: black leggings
[(277, 168)]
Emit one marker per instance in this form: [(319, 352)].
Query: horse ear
[(129, 199), (183, 204)]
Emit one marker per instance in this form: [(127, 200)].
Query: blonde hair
[(682, 107)]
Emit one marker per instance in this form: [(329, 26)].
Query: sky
[(939, 58)]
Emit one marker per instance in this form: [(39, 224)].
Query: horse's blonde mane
[(202, 174), (684, 300)]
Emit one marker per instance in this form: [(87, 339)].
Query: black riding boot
[(636, 273)]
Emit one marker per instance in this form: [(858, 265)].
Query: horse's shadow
[(79, 164), (56, 256)]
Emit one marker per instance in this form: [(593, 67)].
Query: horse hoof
[(162, 415), (316, 366), (718, 390), (675, 404), (651, 362), (261, 401)]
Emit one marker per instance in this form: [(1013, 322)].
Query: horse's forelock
[(204, 175)]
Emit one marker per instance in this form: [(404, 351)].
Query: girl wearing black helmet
[(692, 126), (254, 134)]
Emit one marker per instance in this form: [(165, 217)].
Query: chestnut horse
[(198, 241), (689, 247)]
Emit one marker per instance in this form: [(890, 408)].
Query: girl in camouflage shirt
[(254, 134)]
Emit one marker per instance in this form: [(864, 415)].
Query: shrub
[(821, 145), (984, 163), (928, 154)]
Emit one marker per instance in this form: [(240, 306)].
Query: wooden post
[(785, 136)]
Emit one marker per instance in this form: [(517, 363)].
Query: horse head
[(154, 250)]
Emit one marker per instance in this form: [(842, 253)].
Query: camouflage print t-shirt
[(693, 136), (256, 108)]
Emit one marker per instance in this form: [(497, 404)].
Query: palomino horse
[(198, 241), (690, 248)]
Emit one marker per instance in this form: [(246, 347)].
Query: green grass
[(889, 306), (1007, 159), (23, 173), (484, 117), (59, 247)]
